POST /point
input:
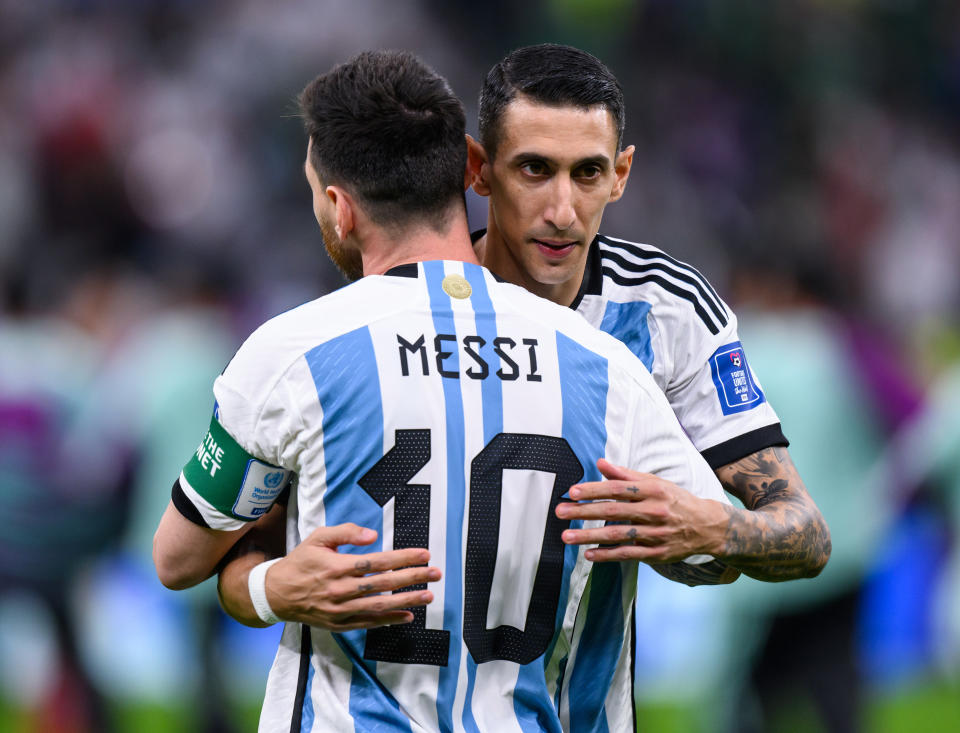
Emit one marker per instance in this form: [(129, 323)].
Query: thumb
[(342, 534)]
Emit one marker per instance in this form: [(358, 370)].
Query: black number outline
[(414, 643)]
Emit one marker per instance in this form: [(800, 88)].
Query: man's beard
[(347, 261)]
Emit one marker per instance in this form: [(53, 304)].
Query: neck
[(497, 257), (384, 251)]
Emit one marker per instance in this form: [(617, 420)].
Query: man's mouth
[(555, 249)]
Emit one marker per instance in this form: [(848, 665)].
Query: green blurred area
[(133, 718), (933, 706)]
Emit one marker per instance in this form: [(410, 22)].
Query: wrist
[(257, 586), (723, 523)]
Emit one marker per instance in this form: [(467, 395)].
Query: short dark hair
[(388, 128), (549, 74)]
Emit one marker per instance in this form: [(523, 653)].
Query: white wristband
[(257, 584)]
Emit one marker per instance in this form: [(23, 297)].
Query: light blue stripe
[(584, 385), (598, 651), (380, 709), (345, 373), (443, 322), (628, 323), (491, 391), (306, 717), (486, 324), (531, 702)]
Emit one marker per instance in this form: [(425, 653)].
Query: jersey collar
[(407, 270), (410, 269)]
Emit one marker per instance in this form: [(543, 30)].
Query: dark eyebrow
[(598, 160), (601, 161)]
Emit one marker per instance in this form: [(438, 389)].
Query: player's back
[(448, 411)]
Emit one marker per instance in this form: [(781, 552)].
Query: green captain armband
[(229, 479)]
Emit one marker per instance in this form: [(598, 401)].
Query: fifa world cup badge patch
[(736, 389), (233, 481)]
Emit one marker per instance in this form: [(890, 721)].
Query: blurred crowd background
[(805, 155)]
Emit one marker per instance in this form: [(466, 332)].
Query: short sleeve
[(713, 391), (243, 462)]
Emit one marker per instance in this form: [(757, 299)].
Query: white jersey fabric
[(457, 422), (670, 316)]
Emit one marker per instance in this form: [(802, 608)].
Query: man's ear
[(621, 168), (477, 168), (344, 205)]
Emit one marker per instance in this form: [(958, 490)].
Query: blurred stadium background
[(805, 155)]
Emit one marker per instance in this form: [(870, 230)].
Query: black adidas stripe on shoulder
[(669, 287), (646, 251), (638, 268), (654, 261)]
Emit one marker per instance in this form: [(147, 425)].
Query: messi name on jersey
[(507, 358)]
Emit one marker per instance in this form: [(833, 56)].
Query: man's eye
[(534, 168), (590, 172)]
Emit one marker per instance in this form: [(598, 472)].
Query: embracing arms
[(318, 585), (779, 535), (314, 583)]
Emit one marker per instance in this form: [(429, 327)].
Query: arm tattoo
[(708, 573), (782, 536)]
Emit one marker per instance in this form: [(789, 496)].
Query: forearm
[(232, 588), (184, 553), (780, 535), (714, 572), (264, 542)]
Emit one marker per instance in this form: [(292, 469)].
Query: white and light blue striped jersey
[(670, 316), (447, 410)]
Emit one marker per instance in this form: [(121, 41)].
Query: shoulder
[(269, 352), (571, 325), (675, 290), (565, 320)]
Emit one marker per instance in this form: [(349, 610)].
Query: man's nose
[(560, 212)]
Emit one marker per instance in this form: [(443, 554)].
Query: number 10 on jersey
[(389, 478)]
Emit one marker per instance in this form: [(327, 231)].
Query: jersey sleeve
[(244, 462), (712, 389)]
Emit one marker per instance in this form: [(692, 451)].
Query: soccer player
[(550, 157), (426, 412)]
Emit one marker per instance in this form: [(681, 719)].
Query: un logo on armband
[(272, 480)]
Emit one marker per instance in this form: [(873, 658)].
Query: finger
[(383, 603), (608, 510), (614, 472), (387, 582), (369, 621), (637, 490), (626, 552), (341, 534), (379, 562), (613, 534)]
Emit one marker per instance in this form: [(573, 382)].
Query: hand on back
[(320, 586), (648, 518)]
